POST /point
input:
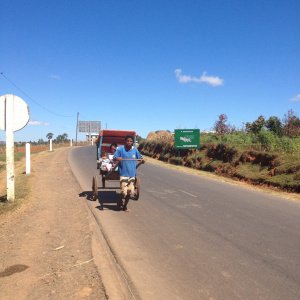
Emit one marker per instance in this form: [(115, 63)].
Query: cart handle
[(140, 159)]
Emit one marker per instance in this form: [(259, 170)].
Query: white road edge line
[(188, 193)]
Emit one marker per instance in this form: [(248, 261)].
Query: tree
[(40, 141), (220, 125), (291, 124), (62, 138), (256, 126), (274, 125), (49, 135)]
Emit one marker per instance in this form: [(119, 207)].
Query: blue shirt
[(127, 168)]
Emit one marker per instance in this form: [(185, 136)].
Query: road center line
[(188, 193)]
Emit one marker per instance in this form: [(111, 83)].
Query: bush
[(267, 139), (176, 161), (221, 152), (288, 145)]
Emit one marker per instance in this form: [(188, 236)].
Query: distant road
[(190, 237)]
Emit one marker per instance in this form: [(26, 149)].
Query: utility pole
[(77, 127)]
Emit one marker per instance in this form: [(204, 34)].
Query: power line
[(23, 92)]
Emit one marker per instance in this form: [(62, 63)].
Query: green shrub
[(288, 145), (221, 152), (176, 161), (267, 139)]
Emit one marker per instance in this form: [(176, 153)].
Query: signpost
[(187, 138), (14, 115)]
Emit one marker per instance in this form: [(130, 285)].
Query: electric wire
[(23, 92)]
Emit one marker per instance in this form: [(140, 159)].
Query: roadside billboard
[(89, 126)]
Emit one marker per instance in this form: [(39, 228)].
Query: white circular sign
[(13, 111)]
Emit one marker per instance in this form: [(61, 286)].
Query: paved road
[(191, 237)]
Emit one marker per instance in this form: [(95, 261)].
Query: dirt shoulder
[(46, 243)]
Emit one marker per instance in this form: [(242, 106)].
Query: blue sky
[(149, 65)]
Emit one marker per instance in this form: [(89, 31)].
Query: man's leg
[(123, 186), (130, 189)]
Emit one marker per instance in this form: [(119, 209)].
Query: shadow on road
[(107, 199)]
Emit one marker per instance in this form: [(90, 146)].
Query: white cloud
[(38, 123), (211, 80), (296, 98), (55, 77)]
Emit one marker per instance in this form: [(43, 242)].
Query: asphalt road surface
[(191, 237)]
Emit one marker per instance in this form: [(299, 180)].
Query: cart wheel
[(95, 188), (137, 188), (103, 181)]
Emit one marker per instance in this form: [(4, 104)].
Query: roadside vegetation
[(264, 152)]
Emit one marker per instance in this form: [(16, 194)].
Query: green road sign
[(187, 138)]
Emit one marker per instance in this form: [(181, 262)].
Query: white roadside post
[(71, 142), (27, 158), (14, 115), (50, 144)]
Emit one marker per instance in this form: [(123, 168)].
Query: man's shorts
[(127, 185)]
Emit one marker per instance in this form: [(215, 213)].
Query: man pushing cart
[(125, 161), (127, 156)]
